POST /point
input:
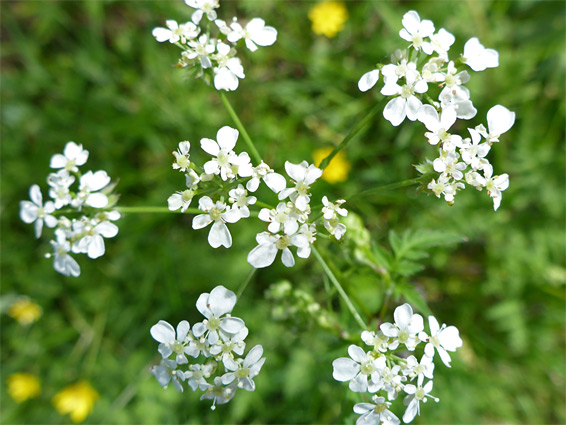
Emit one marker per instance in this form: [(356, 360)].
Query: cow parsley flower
[(416, 31), (243, 371), (376, 413), (167, 372), (442, 338), (173, 342), (406, 327), (362, 370), (416, 395), (226, 163), (36, 211), (73, 157), (218, 214), (256, 33), (303, 175), (269, 245), (477, 57)]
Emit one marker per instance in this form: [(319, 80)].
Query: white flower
[(416, 30), (378, 340), (230, 343), (414, 369), (473, 152), (197, 375), (375, 414), (216, 307), (406, 104), (36, 211), (63, 263), (416, 395), (477, 57), (59, 191), (438, 125), (359, 369), (330, 210), (175, 32), (499, 121), (276, 182), (218, 214), (453, 78), (255, 33), (407, 326), (91, 234), (441, 43), (458, 97), (448, 164), (167, 372), (73, 156), (404, 69), (309, 232), (226, 163), (180, 200), (335, 228), (495, 185), (368, 80), (200, 49), (219, 393), (244, 371), (280, 218), (392, 381), (303, 175), (92, 182), (442, 338), (264, 254), (203, 7), (171, 342), (240, 200), (182, 161)]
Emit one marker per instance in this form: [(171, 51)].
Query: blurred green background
[(90, 71)]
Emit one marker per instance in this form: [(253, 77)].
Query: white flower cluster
[(215, 56), (219, 340), (386, 375), (225, 182), (426, 65), (89, 207)]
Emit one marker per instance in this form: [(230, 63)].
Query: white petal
[(395, 111), (231, 325), (219, 235), (413, 106), (296, 171), (97, 200), (403, 315), (500, 120), (35, 195), (357, 353), (344, 369), (368, 80), (227, 137), (266, 37), (209, 146), (411, 21), (201, 221), (262, 255), (28, 211), (253, 356), (428, 115), (221, 301), (163, 332), (58, 161), (183, 329), (287, 258), (450, 339), (107, 229), (96, 247)]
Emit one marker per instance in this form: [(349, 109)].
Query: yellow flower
[(22, 386), (338, 169), (76, 400), (24, 311), (328, 18)]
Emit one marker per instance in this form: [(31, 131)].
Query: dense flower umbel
[(218, 342), (89, 204), (386, 375), (214, 56), (228, 178), (411, 79)]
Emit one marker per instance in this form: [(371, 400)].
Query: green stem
[(353, 132), (339, 288), (241, 127), (378, 189), (246, 282)]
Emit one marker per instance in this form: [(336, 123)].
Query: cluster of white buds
[(425, 65), (218, 341), (82, 216), (386, 375), (224, 183), (215, 56)]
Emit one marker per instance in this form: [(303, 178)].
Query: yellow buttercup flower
[(76, 400), (22, 386), (338, 169), (328, 18), (24, 311)]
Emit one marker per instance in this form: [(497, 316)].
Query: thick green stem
[(339, 288), (152, 210), (378, 189), (241, 127), (353, 132)]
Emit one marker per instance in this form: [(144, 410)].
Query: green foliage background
[(91, 72)]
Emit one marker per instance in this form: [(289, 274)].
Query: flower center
[(213, 323), (242, 372), (222, 159), (407, 91), (403, 336), (283, 242), (379, 408), (183, 161), (420, 394), (367, 367), (302, 188), (187, 195), (215, 214)]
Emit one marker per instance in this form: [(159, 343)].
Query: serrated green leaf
[(408, 268)]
